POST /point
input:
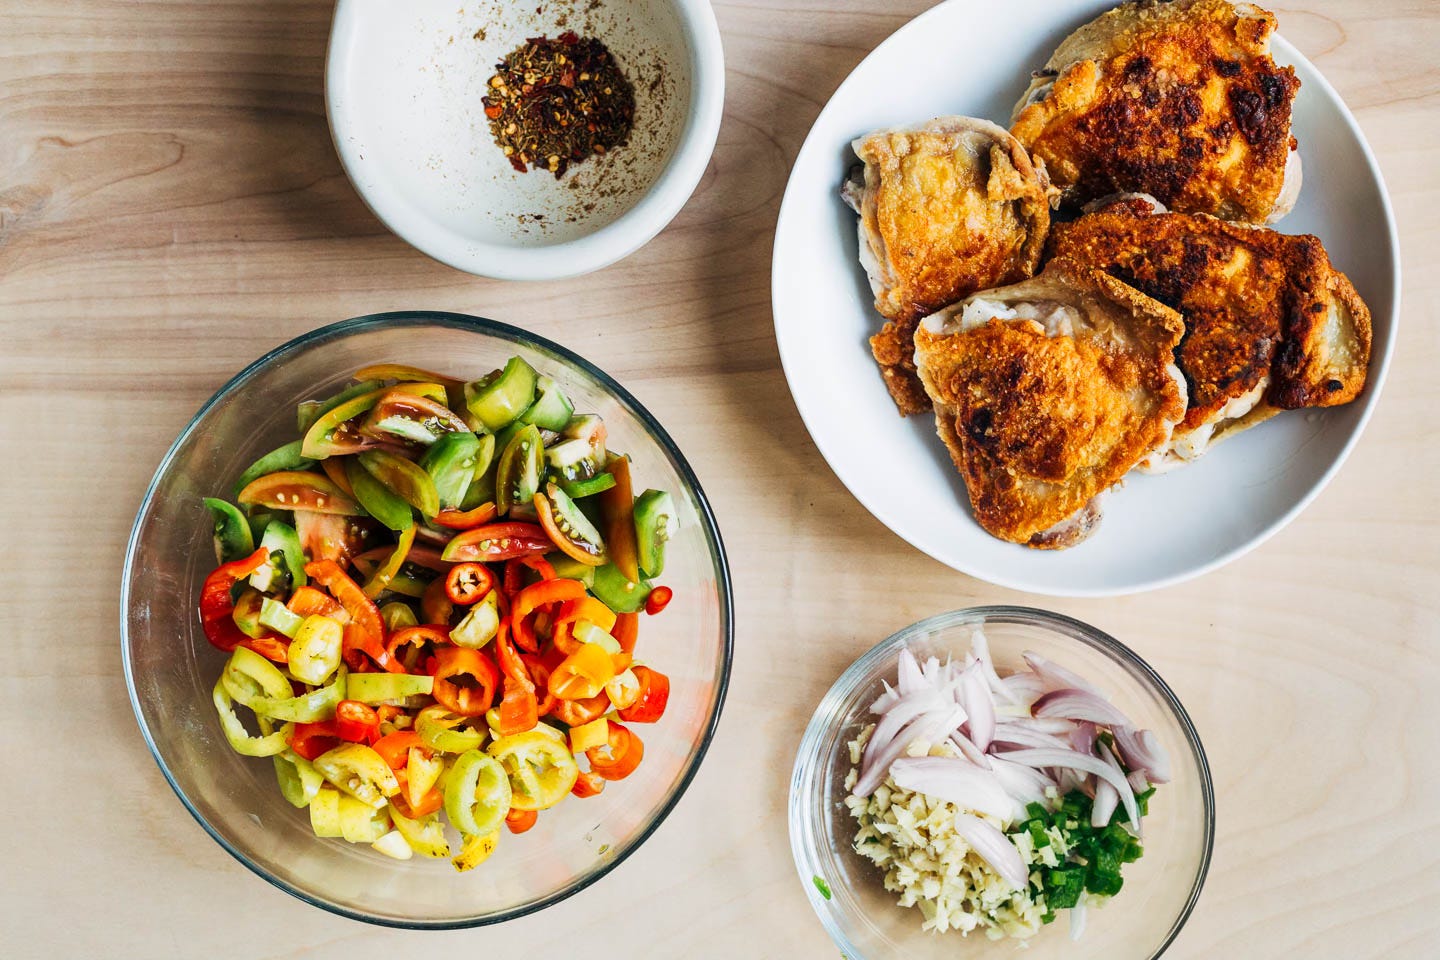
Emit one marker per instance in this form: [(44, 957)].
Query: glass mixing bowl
[(1160, 889), (170, 667)]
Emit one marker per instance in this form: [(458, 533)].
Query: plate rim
[(1380, 366)]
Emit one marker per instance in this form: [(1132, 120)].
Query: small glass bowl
[(170, 667), (1160, 889)]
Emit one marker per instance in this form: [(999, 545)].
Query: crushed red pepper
[(554, 102)]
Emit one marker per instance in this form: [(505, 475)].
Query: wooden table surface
[(171, 207)]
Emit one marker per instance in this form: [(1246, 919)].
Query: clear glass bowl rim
[(505, 331), (864, 667)]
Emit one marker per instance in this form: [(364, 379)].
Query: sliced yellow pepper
[(583, 674), (541, 771), (360, 772)]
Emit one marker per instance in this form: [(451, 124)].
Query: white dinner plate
[(967, 57)]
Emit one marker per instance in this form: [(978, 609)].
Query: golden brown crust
[(1177, 99), (948, 208), (1040, 425), (1257, 304)]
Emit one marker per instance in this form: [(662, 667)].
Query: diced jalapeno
[(404, 478), (552, 409), (233, 539), (450, 461), (517, 478), (655, 523), (503, 395)]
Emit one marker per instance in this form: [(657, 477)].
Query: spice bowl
[(847, 890), (405, 87)]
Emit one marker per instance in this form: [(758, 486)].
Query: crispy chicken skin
[(1176, 98), (1270, 324), (1047, 392), (946, 208)]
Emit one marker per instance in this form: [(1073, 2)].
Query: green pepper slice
[(274, 615), (503, 395), (311, 410), (477, 794), (233, 538), (377, 499), (426, 835), (580, 489), (298, 778), (404, 478), (267, 744), (517, 478), (656, 521), (250, 679), (552, 409), (619, 592), (450, 461), (444, 731), (287, 457), (359, 771), (387, 687)]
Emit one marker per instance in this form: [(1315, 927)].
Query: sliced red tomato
[(356, 722), (426, 415), (498, 541), (299, 490), (654, 694), (309, 740), (620, 755), (328, 536), (216, 608), (334, 468), (465, 681)]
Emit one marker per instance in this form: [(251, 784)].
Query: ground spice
[(554, 102)]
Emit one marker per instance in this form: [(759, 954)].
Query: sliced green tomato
[(567, 568), (377, 499), (285, 567), (259, 520), (240, 739), (311, 410), (296, 490), (316, 650), (233, 539), (299, 781), (408, 583), (451, 465), (475, 850), (619, 592), (517, 478), (480, 624), (571, 530), (656, 521), (404, 478), (325, 813), (287, 457), (247, 612), (426, 835), (446, 731), (551, 409), (579, 489), (482, 488), (337, 430), (477, 794), (573, 461), (541, 771), (274, 615), (361, 822), (503, 395), (377, 688), (393, 845), (360, 772), (397, 616), (400, 414)]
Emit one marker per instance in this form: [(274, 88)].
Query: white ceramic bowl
[(403, 83)]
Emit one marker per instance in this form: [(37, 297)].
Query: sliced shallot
[(994, 847), (957, 781), (980, 704), (1073, 703), (1089, 764), (1057, 677), (1141, 750), (929, 728)]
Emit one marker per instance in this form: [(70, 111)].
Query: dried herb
[(554, 102)]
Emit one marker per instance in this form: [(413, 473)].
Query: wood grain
[(171, 207)]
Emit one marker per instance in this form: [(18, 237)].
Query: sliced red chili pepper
[(519, 711), (394, 748), (309, 740), (540, 565), (513, 578), (574, 713), (498, 541), (435, 606), (216, 608), (518, 821), (465, 681), (432, 801), (358, 644), (307, 601), (540, 676), (627, 630), (531, 599), (620, 755), (467, 519), (356, 722), (467, 583), (409, 646), (650, 703), (588, 784), (271, 647), (658, 600), (361, 608)]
